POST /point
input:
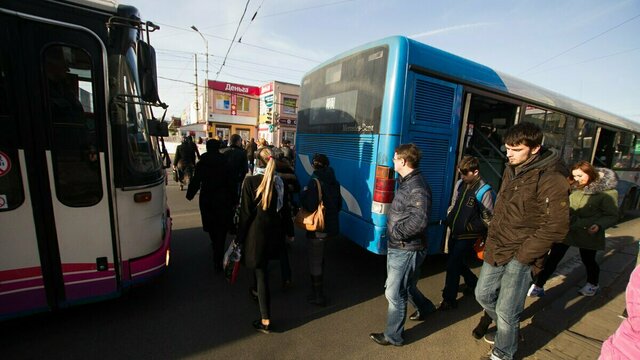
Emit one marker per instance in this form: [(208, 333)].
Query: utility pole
[(197, 105), (206, 81)]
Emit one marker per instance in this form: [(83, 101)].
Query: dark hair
[(409, 153), (235, 138), (588, 169), (525, 133), (320, 161), (468, 164), (213, 145)]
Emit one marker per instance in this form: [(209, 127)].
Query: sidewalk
[(567, 325)]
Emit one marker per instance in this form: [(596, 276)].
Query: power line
[(284, 12), (580, 44), (588, 60), (250, 21), (247, 44), (234, 39)]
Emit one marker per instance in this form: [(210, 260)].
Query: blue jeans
[(501, 291), (456, 267), (403, 272)]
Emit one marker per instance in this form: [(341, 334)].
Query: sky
[(588, 50)]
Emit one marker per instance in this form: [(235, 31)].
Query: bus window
[(346, 97), (624, 148), (605, 148), (74, 144), (11, 192), (582, 141), (553, 125), (635, 163)]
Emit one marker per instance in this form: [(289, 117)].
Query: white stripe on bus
[(148, 270), (349, 199), (20, 290), (20, 280), (90, 280)]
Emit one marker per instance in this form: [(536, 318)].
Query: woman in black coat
[(309, 200), (265, 220), (212, 178)]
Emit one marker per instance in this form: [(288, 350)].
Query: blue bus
[(359, 106)]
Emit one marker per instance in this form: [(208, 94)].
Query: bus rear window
[(345, 96)]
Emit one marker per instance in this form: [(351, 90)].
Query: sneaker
[(535, 291), (260, 327), (481, 329), (589, 289), (487, 356), (490, 337)]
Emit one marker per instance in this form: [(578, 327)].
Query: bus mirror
[(147, 72), (158, 128)]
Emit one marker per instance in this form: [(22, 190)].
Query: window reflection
[(553, 125), (142, 153), (74, 142)]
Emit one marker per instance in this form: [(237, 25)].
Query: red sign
[(234, 88), (5, 164), (266, 88)]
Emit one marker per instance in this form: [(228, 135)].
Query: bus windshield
[(138, 149), (345, 96)]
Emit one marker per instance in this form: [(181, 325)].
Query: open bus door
[(57, 240)]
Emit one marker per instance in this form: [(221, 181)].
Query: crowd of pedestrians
[(541, 209)]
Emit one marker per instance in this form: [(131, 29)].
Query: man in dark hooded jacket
[(530, 214), (212, 178)]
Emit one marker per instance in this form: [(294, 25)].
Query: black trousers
[(558, 250), (264, 295)]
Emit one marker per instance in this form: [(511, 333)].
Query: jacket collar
[(544, 159), (607, 180), (410, 175)]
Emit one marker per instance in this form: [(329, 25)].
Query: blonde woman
[(265, 220)]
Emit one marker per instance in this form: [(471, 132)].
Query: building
[(232, 109), (278, 112)]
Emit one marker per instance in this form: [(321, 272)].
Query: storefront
[(233, 109), (278, 112)]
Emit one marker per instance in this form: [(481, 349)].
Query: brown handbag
[(312, 221)]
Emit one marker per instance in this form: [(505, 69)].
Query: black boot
[(316, 297), (482, 327)]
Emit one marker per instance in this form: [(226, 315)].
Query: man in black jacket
[(406, 245), (212, 179), (237, 160)]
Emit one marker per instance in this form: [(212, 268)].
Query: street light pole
[(205, 114)]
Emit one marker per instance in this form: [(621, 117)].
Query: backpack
[(483, 190)]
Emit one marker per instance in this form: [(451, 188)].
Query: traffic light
[(270, 127)]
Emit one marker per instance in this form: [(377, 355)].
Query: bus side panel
[(21, 283), (433, 125), (144, 233), (352, 157)]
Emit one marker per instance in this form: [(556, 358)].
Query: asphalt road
[(192, 312)]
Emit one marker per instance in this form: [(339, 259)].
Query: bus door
[(433, 125), (486, 119), (56, 228)]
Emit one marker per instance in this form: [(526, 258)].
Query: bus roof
[(467, 72), (104, 5)]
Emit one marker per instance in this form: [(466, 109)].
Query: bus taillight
[(385, 185)]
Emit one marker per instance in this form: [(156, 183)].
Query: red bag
[(231, 262), (478, 247)]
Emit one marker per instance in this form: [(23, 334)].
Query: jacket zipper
[(547, 203)]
